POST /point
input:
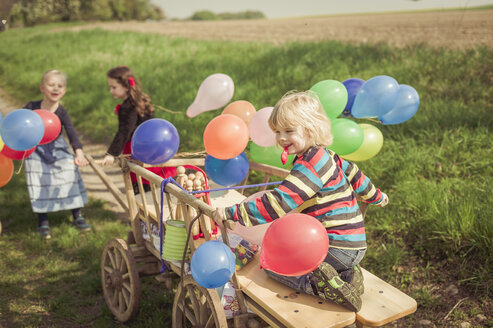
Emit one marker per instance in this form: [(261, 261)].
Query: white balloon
[(214, 92)]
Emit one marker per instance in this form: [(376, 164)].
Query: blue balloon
[(22, 129), (227, 172), (352, 86), (155, 141), (376, 97), (405, 107), (212, 264)]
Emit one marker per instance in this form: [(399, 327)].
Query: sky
[(292, 8)]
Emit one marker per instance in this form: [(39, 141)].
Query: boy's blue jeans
[(343, 260)]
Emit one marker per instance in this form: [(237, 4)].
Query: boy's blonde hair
[(54, 72), (303, 109)]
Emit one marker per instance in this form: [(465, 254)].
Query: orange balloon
[(226, 136), (241, 108), (6, 170)]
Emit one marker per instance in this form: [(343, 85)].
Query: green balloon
[(269, 155), (372, 143), (333, 96), (348, 136)]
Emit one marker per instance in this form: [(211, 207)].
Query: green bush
[(204, 15), (35, 12), (209, 15)]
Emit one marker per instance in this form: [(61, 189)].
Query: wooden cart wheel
[(120, 279), (196, 306)]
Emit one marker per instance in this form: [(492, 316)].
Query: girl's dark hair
[(136, 96)]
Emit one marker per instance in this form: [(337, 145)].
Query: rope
[(184, 154), (167, 110), (237, 187)]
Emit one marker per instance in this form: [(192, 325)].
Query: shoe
[(44, 231), (357, 280), (327, 284), (81, 224)]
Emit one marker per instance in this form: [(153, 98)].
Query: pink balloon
[(259, 129), (214, 92)]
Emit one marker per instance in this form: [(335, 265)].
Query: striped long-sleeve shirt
[(320, 184)]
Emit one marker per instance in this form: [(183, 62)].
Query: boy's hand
[(218, 216), (220, 219), (385, 200)]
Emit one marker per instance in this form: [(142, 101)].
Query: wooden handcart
[(262, 301)]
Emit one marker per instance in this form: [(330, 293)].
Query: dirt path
[(95, 188)]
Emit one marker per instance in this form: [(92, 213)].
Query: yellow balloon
[(1, 144), (372, 143)]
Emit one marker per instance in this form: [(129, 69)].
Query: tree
[(32, 12)]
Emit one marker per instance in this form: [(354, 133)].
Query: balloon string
[(167, 110), (373, 120), (22, 163), (236, 187)]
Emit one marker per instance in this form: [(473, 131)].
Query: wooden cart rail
[(277, 304)]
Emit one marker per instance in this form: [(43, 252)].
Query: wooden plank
[(291, 308), (120, 198), (382, 303)]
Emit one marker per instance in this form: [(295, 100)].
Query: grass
[(436, 168)]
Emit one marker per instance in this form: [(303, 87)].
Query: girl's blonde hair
[(303, 109), (54, 72), (136, 96)]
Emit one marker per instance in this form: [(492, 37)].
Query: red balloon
[(52, 124), (16, 154), (6, 170), (294, 245)]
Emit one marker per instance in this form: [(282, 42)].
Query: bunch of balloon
[(225, 138), (22, 130), (214, 92), (383, 98)]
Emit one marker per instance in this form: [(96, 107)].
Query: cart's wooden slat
[(382, 303), (120, 198), (292, 309)]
